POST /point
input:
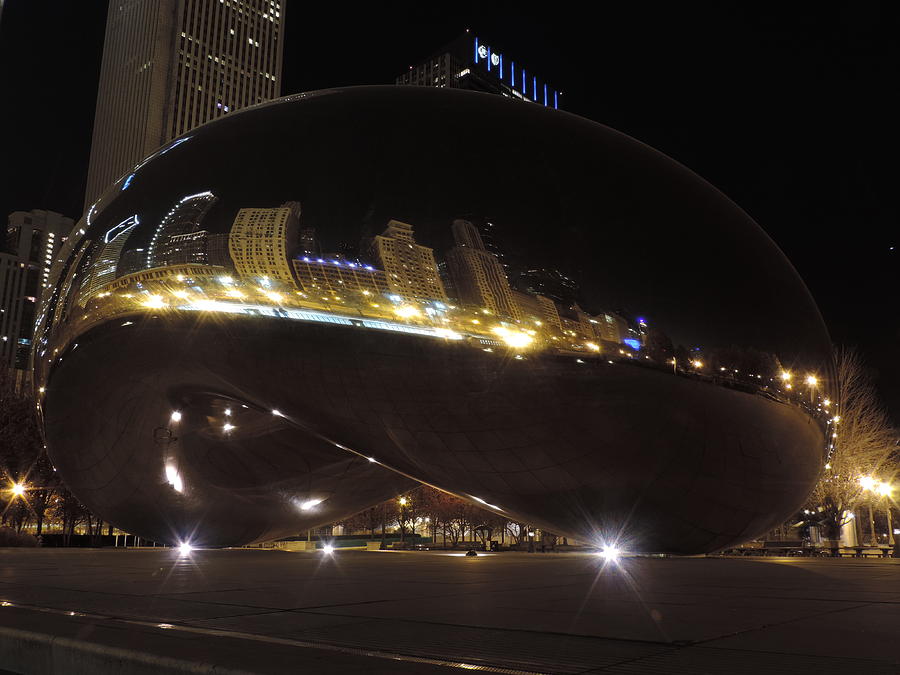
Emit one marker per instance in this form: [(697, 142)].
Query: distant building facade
[(33, 242), (171, 65), (470, 63), (262, 242), (411, 269)]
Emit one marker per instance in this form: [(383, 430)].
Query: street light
[(18, 489), (811, 381)]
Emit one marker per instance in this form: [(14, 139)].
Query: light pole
[(812, 381)]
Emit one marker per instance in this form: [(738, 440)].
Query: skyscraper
[(171, 65), (477, 274), (411, 270), (33, 240)]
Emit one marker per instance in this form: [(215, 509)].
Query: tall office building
[(33, 241), (262, 242), (171, 65), (411, 270), (470, 63), (478, 276)]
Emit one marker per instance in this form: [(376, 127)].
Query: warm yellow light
[(836, 419), (180, 294), (475, 321), (513, 338), (154, 302), (235, 293), (826, 402), (812, 380), (697, 364), (789, 386), (273, 296), (885, 489), (406, 311), (867, 482), (403, 501), (366, 293), (593, 346), (786, 376), (18, 489)]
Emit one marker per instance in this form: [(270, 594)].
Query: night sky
[(790, 112)]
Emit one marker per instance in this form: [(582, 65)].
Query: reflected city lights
[(174, 478)]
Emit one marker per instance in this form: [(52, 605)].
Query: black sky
[(790, 112)]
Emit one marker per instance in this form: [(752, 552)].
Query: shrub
[(9, 537)]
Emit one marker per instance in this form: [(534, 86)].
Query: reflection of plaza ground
[(274, 612), (274, 413)]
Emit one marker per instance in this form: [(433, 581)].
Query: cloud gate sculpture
[(302, 309)]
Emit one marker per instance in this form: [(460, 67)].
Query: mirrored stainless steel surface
[(299, 310)]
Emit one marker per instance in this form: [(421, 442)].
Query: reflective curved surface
[(297, 311)]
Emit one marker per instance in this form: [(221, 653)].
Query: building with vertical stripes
[(472, 63), (171, 65)]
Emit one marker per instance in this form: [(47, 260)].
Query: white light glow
[(174, 478), (176, 416), (185, 548), (328, 549), (513, 338), (610, 553), (310, 503)]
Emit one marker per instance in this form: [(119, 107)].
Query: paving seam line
[(27, 651)]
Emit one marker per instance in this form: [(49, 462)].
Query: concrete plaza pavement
[(226, 611)]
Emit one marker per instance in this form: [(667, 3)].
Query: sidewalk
[(275, 612)]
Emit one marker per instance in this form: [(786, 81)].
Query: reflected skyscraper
[(410, 267), (478, 276), (104, 270), (262, 241), (167, 247)]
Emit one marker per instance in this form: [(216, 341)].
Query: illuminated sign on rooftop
[(519, 83)]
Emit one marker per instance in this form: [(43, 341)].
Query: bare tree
[(861, 443)]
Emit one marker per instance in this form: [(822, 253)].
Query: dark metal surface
[(245, 337)]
